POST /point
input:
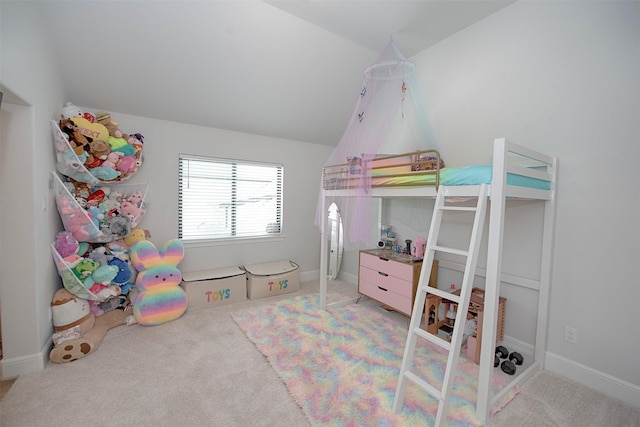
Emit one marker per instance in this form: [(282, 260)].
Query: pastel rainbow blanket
[(341, 365)]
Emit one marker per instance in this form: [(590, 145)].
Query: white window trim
[(191, 240)]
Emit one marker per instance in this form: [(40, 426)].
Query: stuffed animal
[(100, 149), (127, 164), (110, 204), (104, 119), (95, 198), (136, 235), (76, 140), (92, 161), (131, 211), (70, 111), (120, 302), (83, 190), (136, 198), (67, 247), (120, 226), (89, 117), (85, 268), (75, 219), (70, 311), (92, 131), (99, 255), (105, 174), (112, 160), (81, 202), (72, 165), (137, 141), (99, 282), (124, 275), (96, 215), (116, 142), (160, 299)]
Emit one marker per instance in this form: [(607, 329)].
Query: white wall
[(28, 220), (164, 141), (557, 76), (561, 77)]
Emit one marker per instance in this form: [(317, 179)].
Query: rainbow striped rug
[(342, 365)]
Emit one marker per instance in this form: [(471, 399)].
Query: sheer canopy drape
[(388, 119)]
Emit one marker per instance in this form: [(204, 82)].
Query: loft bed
[(517, 173)]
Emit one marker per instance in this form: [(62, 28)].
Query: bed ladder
[(415, 331)]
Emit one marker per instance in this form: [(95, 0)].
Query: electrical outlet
[(571, 335)]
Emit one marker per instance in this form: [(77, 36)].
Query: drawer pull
[(383, 274), (383, 259), (382, 289)]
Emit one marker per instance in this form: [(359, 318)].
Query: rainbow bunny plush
[(160, 299)]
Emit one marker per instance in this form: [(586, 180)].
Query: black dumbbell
[(496, 361), (508, 367), (502, 352), (516, 358)]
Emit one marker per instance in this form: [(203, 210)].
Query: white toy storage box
[(273, 278), (214, 288)]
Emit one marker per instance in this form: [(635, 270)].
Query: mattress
[(402, 176), (469, 175)]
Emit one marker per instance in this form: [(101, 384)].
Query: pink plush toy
[(127, 164), (136, 198), (112, 159), (130, 210)]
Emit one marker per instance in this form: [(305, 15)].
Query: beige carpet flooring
[(201, 370)]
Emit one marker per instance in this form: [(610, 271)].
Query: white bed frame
[(507, 158)]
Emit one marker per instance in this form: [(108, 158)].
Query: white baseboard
[(23, 365), (589, 377), (604, 383), (307, 276), (512, 344), (348, 277)]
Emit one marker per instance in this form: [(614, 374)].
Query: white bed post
[(492, 286), (545, 268), (323, 249)]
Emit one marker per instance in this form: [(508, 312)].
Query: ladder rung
[(443, 393), (458, 208), (423, 385), (433, 338), (451, 250), (442, 294)]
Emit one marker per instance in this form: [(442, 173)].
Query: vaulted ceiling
[(285, 68)]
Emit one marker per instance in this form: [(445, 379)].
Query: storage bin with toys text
[(91, 148)]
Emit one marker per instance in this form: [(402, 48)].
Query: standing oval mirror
[(335, 244)]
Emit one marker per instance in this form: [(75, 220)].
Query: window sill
[(203, 243)]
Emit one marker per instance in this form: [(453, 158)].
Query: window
[(228, 199)]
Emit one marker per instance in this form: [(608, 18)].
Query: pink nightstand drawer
[(393, 300), (391, 278), (391, 283), (392, 268)]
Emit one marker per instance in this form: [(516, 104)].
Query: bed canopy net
[(389, 118)]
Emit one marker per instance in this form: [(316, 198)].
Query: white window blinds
[(227, 199)]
